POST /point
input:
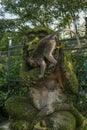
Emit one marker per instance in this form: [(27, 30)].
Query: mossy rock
[(58, 120), (19, 125), (22, 114), (20, 108), (62, 120)]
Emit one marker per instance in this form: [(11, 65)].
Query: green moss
[(78, 116), (19, 125), (70, 76), (68, 121), (62, 120), (29, 78), (20, 108)]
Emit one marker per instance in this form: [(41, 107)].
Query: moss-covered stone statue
[(48, 104)]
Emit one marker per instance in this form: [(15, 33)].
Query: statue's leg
[(66, 107), (43, 113), (55, 108)]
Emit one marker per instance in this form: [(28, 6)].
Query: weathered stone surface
[(20, 108), (62, 120), (47, 94)]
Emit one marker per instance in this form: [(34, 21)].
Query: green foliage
[(44, 12), (17, 39), (6, 26), (3, 80), (3, 97), (15, 65), (80, 67), (79, 60), (9, 74), (4, 41)]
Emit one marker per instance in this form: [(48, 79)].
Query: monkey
[(45, 49)]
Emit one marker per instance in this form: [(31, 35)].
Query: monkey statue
[(48, 97), (45, 50)]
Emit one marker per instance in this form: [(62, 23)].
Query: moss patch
[(29, 78), (62, 120), (71, 83), (20, 108), (66, 121), (19, 125)]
